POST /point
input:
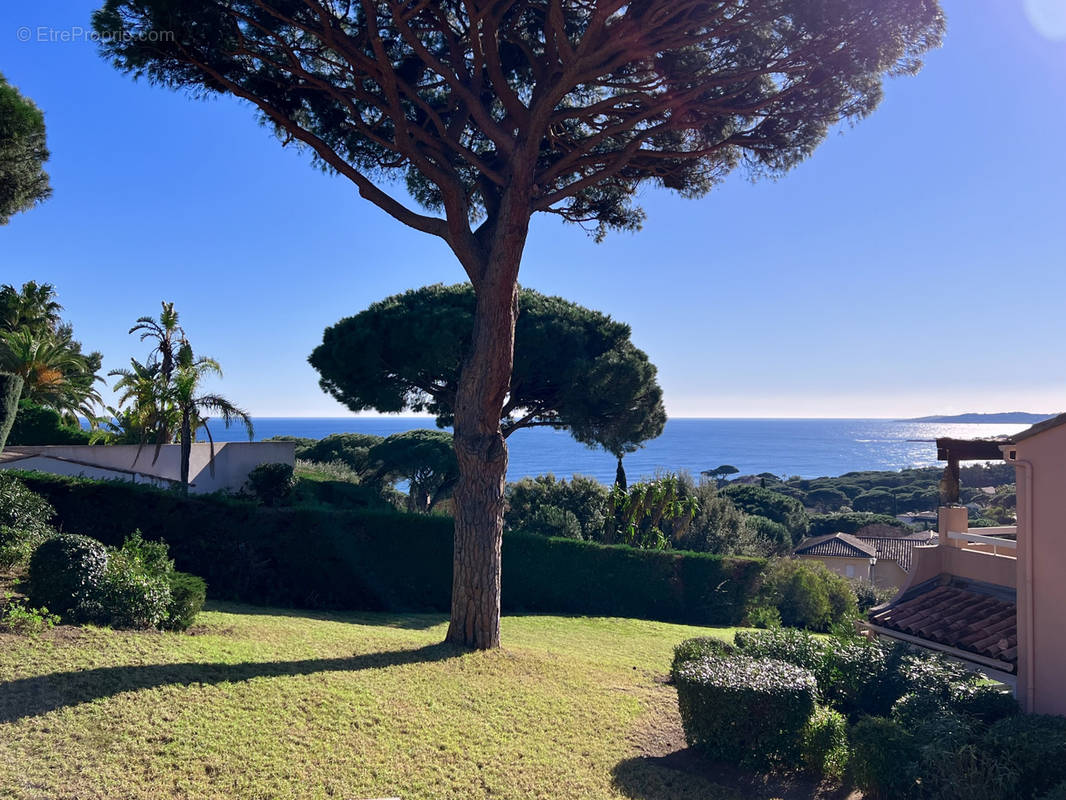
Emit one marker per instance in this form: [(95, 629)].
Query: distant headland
[(1004, 418)]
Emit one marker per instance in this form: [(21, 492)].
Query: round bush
[(745, 711), (271, 483), (187, 596), (66, 575)]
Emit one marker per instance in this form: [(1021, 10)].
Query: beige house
[(885, 561), (995, 597)]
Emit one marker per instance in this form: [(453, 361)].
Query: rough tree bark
[(480, 447)]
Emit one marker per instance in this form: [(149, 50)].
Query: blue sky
[(914, 265)]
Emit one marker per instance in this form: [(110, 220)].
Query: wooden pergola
[(955, 450)]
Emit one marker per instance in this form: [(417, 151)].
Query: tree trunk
[(480, 447), (186, 451)]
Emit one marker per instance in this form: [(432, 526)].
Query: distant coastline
[(1004, 418)]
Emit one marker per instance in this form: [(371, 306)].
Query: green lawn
[(257, 703)]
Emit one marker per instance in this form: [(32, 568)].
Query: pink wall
[(1042, 569)]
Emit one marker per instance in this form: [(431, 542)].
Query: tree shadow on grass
[(686, 775), (31, 697), (414, 621)]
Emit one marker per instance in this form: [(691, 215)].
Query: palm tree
[(36, 345), (150, 415), (164, 393), (169, 337), (34, 307), (191, 405), (54, 371)]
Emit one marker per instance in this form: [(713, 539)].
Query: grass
[(255, 703)]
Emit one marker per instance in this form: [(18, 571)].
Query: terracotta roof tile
[(966, 616)]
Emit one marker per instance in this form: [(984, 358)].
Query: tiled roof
[(964, 615), (841, 545), (895, 549), (845, 545)]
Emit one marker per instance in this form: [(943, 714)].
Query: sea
[(809, 448)]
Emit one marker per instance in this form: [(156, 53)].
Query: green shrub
[(332, 486), (272, 484), (857, 676), (794, 647), (24, 518), (824, 745), (745, 711), (17, 617), (967, 773), (763, 617), (142, 589), (697, 648), (187, 596), (774, 534), (35, 425), (66, 575), (985, 703), (352, 449), (933, 673), (868, 594), (377, 561), (572, 509), (132, 595), (1033, 746), (884, 759), (806, 594), (860, 676)]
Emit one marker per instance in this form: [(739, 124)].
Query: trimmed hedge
[(697, 648), (370, 560), (35, 425), (783, 644), (746, 711)]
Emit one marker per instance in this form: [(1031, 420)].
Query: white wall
[(232, 463)]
